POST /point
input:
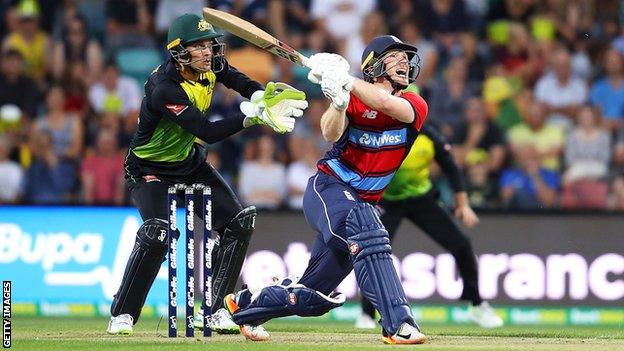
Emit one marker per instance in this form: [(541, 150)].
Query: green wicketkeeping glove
[(276, 106)]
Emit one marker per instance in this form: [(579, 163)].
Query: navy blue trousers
[(326, 203)]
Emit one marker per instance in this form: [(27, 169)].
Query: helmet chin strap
[(193, 70), (395, 85)]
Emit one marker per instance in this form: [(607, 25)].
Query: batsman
[(164, 152), (373, 125)]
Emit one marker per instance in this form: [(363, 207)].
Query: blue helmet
[(372, 66)]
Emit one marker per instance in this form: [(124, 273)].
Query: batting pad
[(370, 250)]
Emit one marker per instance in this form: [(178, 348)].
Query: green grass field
[(47, 333)]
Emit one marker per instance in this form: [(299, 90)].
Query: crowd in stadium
[(530, 94)]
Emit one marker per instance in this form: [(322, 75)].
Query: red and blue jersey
[(373, 146)]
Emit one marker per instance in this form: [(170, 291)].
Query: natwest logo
[(379, 140)]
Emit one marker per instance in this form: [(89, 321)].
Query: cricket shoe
[(484, 315), (407, 334), (219, 322), (251, 332), (120, 325), (364, 321)]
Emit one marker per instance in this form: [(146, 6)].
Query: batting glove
[(336, 87), (322, 62), (276, 106)]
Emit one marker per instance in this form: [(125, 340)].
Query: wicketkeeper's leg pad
[(285, 298), (143, 265), (229, 254), (370, 250)]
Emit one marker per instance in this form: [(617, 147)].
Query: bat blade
[(254, 35)]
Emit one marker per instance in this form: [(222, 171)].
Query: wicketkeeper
[(164, 151)]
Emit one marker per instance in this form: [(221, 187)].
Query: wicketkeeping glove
[(276, 106)]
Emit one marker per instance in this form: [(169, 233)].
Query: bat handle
[(305, 61)]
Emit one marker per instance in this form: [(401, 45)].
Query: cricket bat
[(254, 35)]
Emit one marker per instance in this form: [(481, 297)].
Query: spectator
[(478, 134), (297, 15), (444, 20), (116, 93), (513, 10), (300, 170), (50, 179), (587, 155), (74, 48), (573, 17), (410, 33), (76, 92), (262, 180), (11, 174), (545, 141), (519, 56), (477, 56), (373, 26), (448, 96), (15, 87), (94, 13), (65, 129), (129, 24), (500, 103), (19, 101), (482, 189), (528, 185), (168, 10), (341, 19), (102, 172), (607, 93), (255, 11), (398, 12), (30, 41), (561, 92)]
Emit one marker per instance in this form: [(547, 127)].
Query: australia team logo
[(203, 26)]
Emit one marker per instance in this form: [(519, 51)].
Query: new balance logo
[(370, 114)]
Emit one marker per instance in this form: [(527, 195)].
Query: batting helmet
[(372, 63), (190, 28)]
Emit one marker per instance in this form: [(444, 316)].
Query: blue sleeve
[(63, 177), (594, 94), (507, 178), (551, 179)]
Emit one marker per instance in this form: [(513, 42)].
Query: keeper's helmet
[(190, 28), (372, 58)]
